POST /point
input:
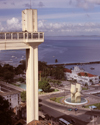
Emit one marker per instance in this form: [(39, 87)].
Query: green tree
[(7, 72), (44, 85), (23, 96), (19, 70), (6, 112), (79, 74), (91, 81), (56, 60), (8, 76), (86, 74), (58, 72), (21, 79), (42, 65), (58, 82), (1, 69), (86, 84), (8, 67), (23, 65)]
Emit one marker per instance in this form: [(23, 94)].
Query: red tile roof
[(84, 74), (67, 70)]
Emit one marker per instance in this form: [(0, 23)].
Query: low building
[(11, 94), (81, 76), (12, 97)]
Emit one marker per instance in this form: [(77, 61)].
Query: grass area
[(57, 99), (16, 85), (96, 104), (84, 88), (42, 92), (53, 90)]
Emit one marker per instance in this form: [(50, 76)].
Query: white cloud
[(12, 21), (63, 28), (12, 24), (69, 28)]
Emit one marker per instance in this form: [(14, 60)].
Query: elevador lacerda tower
[(29, 38)]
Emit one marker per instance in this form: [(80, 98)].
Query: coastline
[(79, 63)]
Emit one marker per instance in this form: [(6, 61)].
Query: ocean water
[(64, 49)]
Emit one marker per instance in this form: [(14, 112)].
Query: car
[(76, 109), (69, 109), (72, 121), (63, 122)]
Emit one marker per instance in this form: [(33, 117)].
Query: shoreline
[(79, 63)]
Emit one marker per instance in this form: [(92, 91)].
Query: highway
[(57, 110), (57, 114)]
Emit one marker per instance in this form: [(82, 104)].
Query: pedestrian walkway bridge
[(19, 40)]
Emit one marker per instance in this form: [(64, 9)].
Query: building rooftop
[(86, 74), (67, 70), (8, 93)]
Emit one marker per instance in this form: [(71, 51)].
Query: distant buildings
[(11, 94), (81, 76)]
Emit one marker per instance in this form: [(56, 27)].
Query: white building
[(81, 76), (11, 95), (13, 98)]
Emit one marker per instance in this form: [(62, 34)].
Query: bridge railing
[(21, 35)]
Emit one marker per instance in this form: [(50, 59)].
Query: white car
[(63, 122)]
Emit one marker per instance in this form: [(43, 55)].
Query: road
[(56, 114), (53, 109)]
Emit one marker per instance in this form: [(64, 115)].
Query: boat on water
[(92, 68)]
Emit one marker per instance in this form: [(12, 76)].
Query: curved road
[(53, 109)]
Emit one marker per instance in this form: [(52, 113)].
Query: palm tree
[(56, 60)]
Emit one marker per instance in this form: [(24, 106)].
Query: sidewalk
[(50, 93)]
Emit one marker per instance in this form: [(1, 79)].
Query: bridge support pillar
[(32, 83)]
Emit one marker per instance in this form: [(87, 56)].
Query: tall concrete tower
[(29, 24), (28, 39), (29, 20)]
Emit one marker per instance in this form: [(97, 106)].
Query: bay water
[(64, 49)]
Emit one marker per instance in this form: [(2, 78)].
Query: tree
[(6, 112), (56, 60), (21, 79), (91, 81), (23, 64), (1, 73), (19, 70), (58, 72), (44, 85), (86, 74), (86, 84), (23, 96), (8, 76), (79, 74), (56, 82), (42, 65), (7, 72), (8, 67)]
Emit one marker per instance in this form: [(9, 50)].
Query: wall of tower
[(29, 20)]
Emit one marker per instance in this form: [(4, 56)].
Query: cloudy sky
[(55, 17)]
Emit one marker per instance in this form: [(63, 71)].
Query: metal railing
[(21, 35)]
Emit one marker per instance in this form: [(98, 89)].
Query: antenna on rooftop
[(30, 4)]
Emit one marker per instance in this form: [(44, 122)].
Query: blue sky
[(55, 17)]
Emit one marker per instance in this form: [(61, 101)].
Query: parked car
[(72, 121), (69, 109), (63, 122)]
